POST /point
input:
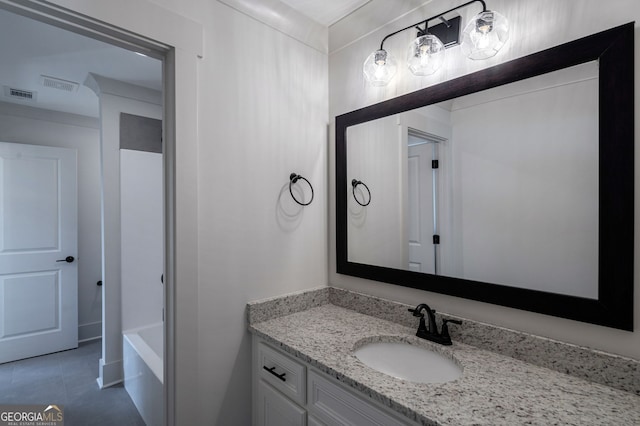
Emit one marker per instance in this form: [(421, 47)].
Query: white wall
[(534, 153), (263, 116), (376, 233), (21, 124), (535, 25), (141, 238)]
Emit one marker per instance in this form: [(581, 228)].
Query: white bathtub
[(143, 370)]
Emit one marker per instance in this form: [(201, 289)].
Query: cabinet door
[(336, 406), (275, 409), (312, 421)]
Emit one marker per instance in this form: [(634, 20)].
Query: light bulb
[(484, 35), (379, 68), (425, 55)]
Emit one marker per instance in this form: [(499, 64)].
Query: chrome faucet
[(430, 332)]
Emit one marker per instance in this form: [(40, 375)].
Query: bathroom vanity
[(289, 391), (305, 371)]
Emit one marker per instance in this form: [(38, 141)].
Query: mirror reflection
[(499, 186)]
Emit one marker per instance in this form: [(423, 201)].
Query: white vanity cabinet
[(288, 392)]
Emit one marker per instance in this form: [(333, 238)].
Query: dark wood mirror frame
[(614, 49)]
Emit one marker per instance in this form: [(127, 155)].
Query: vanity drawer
[(336, 406), (282, 372)]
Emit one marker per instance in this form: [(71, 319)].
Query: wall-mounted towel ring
[(293, 178), (355, 183)]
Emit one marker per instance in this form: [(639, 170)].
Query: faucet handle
[(417, 312), (445, 327)]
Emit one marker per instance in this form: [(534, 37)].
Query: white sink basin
[(408, 362)]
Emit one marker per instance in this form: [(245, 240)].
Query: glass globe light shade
[(426, 55), (484, 35), (379, 68)]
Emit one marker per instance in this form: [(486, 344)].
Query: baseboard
[(110, 374), (89, 331)]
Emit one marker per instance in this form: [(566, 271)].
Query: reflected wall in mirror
[(513, 185), (513, 199)]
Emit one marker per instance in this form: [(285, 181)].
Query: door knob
[(67, 259)]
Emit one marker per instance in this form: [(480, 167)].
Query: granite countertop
[(494, 389)]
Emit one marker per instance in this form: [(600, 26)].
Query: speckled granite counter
[(493, 390)]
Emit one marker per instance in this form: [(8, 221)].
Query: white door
[(421, 206), (38, 239)]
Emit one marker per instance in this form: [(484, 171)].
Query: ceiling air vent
[(58, 83), (24, 95)]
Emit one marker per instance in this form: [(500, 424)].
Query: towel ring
[(293, 178), (355, 183)]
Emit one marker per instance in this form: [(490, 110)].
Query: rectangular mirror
[(513, 201), (513, 185)]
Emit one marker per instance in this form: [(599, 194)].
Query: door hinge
[(436, 239), (435, 164)]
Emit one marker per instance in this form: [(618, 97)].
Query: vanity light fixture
[(482, 38), (379, 68), (485, 35), (426, 55)]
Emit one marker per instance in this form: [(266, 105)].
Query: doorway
[(180, 41), (39, 88), (423, 202)]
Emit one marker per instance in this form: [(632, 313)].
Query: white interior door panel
[(38, 250)]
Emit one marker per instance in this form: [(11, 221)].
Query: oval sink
[(408, 362)]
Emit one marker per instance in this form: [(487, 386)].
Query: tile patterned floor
[(69, 378)]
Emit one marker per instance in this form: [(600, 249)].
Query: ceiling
[(349, 20), (326, 12), (370, 14), (326, 25), (371, 17), (30, 49)]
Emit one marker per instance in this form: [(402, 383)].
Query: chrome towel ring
[(355, 183), (294, 178)]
